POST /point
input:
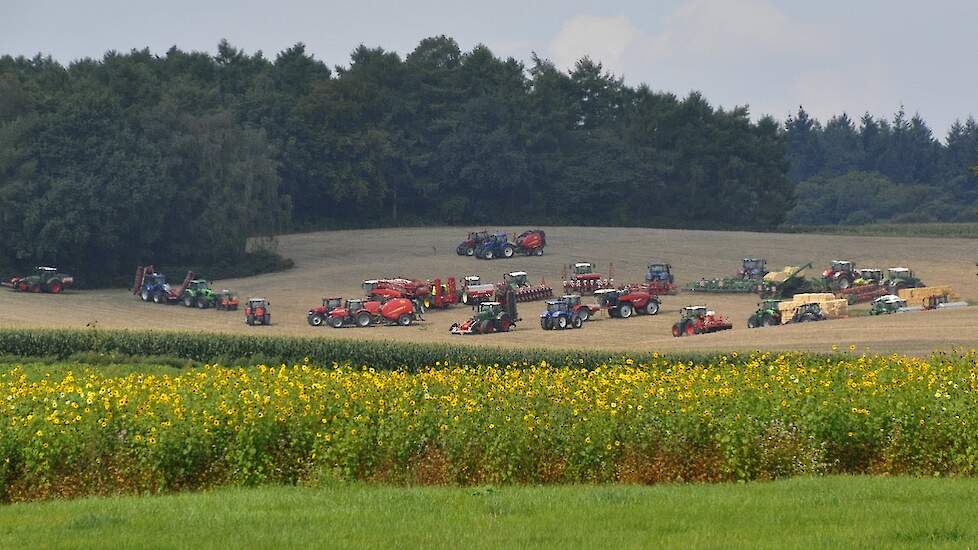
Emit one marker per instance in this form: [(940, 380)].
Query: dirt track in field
[(335, 263)]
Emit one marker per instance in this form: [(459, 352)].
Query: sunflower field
[(76, 431)]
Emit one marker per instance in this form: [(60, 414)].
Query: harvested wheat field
[(336, 262)]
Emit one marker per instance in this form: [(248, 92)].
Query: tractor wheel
[(250, 321), (144, 295), (508, 252), (465, 298), (55, 287), (485, 327), (202, 302), (584, 314), (538, 252), (767, 321), (188, 300), (404, 320), (504, 324), (752, 322), (851, 299), (692, 329), (487, 254), (561, 323), (36, 287), (22, 286), (626, 310), (677, 330), (652, 307), (364, 319), (316, 320), (545, 323), (578, 322), (470, 251), (336, 322), (158, 298), (266, 320)]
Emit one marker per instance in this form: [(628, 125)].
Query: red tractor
[(583, 279), (258, 312), (468, 246), (318, 315), (841, 275), (699, 320), (399, 287), (625, 303)]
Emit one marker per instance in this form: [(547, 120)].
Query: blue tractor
[(496, 245), (659, 271), (560, 315)]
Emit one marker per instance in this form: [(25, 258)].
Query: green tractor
[(491, 317), (898, 278), (890, 303), (44, 279), (199, 293), (767, 315), (806, 313)]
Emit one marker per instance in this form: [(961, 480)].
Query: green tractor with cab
[(199, 293), (767, 315)]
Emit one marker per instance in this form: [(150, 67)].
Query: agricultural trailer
[(622, 304), (43, 279), (699, 320), (583, 279), (471, 243), (559, 315), (258, 312)]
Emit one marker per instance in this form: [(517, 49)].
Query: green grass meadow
[(829, 512)]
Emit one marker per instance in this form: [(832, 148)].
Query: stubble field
[(335, 263)]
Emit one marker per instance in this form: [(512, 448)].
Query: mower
[(471, 243), (257, 312), (559, 315), (490, 317), (699, 320), (44, 279), (623, 304)]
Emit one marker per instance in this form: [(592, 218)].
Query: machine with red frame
[(699, 320), (583, 279), (623, 303)]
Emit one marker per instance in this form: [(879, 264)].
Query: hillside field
[(336, 262)]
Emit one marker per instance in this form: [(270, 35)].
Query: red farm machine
[(339, 313), (699, 320), (498, 245), (583, 280), (623, 303), (399, 287), (866, 287), (471, 243), (518, 282)]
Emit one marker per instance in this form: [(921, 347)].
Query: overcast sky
[(830, 55)]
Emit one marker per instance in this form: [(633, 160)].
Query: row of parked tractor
[(152, 286), (488, 246)]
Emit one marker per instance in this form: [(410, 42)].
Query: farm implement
[(149, 285), (748, 279), (490, 317), (399, 287), (258, 312), (44, 279), (498, 245), (788, 282), (338, 313), (471, 243), (560, 315), (518, 282), (474, 291), (699, 320), (623, 304), (583, 279)]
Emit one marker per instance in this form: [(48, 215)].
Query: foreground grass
[(827, 512)]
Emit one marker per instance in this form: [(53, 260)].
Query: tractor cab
[(353, 306), (198, 284), (839, 267), (472, 280), (556, 306), (491, 309), (573, 300), (659, 271), (753, 268), (44, 270), (606, 297), (500, 238), (478, 236), (369, 285), (332, 302), (255, 303), (899, 273), (154, 279), (516, 279), (583, 268), (768, 304), (869, 276), (693, 312)]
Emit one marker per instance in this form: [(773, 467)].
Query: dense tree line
[(179, 158), (881, 170)]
